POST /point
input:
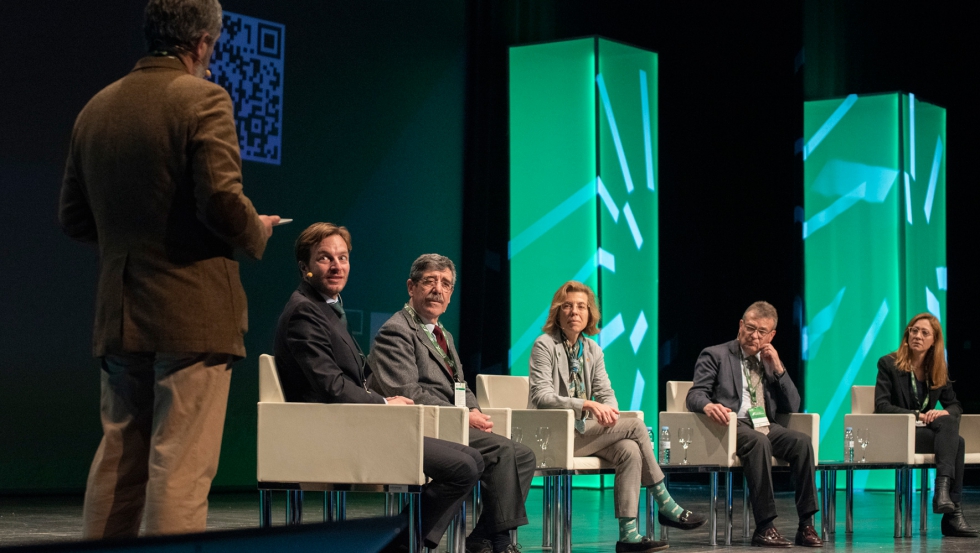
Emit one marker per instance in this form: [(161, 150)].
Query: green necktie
[(340, 311)]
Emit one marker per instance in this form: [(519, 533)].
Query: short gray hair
[(180, 24), (763, 310), (431, 262)]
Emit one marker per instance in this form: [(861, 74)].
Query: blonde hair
[(934, 360), (559, 298)]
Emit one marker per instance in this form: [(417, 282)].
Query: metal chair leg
[(265, 508), (849, 499), (651, 513), (294, 507), (745, 507), (908, 502), (713, 514), (557, 514), (898, 503), (567, 523), (477, 504), (413, 522), (923, 500), (728, 508), (833, 502), (547, 499)]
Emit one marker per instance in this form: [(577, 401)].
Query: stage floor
[(45, 519)]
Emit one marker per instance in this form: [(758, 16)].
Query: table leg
[(824, 501), (898, 502), (265, 508), (923, 500), (849, 485), (908, 502)]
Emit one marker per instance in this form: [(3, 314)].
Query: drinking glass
[(686, 437), (860, 434), (543, 435), (866, 434)]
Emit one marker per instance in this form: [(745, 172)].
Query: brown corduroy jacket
[(154, 178)]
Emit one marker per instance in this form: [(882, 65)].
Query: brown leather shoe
[(807, 537), (770, 537)]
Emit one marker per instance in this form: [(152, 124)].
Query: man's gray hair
[(180, 24), (763, 310), (431, 262)]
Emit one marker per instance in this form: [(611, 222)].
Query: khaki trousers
[(162, 418), (627, 445)]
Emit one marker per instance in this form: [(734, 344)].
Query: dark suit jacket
[(404, 362), (893, 391), (154, 178), (317, 359), (718, 379)]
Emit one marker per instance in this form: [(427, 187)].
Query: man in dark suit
[(746, 377), (318, 361), (154, 179), (413, 355)]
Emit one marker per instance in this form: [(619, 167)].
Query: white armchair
[(555, 455), (714, 445), (898, 432), (337, 448)]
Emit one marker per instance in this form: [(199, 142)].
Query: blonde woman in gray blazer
[(567, 371)]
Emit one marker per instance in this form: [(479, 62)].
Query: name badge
[(460, 394), (758, 416)]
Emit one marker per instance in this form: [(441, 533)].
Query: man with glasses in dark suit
[(746, 377)]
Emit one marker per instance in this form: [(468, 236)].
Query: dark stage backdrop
[(372, 139)]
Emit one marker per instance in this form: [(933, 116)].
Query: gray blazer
[(404, 362), (548, 376), (718, 379)]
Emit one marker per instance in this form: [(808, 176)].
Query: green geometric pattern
[(874, 240), (583, 199)]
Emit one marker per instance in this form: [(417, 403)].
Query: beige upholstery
[(714, 444), (314, 445), (502, 391), (494, 391)]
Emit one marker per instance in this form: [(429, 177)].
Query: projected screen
[(583, 200), (875, 243)]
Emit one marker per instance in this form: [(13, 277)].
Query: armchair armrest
[(970, 431), (501, 419), (631, 415), (447, 423), (713, 443), (340, 443), (807, 423), (559, 452), (893, 437)]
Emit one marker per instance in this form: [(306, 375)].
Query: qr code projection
[(248, 62)]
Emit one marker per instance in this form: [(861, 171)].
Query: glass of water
[(543, 436)]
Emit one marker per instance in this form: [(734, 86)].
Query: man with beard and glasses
[(414, 356)]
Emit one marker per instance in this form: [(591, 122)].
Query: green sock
[(627, 530), (668, 507)]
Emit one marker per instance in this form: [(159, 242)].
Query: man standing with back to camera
[(153, 178)]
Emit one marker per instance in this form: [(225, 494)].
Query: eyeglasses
[(752, 329), (430, 282), (916, 331)]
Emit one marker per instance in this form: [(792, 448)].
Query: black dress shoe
[(770, 537), (478, 545), (941, 503), (807, 537), (687, 520), (646, 545), (954, 525)]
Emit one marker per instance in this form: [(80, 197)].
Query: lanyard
[(915, 393), (748, 381), (432, 338)]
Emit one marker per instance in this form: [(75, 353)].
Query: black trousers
[(454, 470), (756, 451), (506, 479), (942, 437)]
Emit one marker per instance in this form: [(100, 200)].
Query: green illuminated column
[(875, 242), (583, 200)]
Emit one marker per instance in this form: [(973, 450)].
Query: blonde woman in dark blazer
[(911, 380), (567, 371)]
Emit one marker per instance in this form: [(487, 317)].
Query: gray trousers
[(626, 445), (506, 479)]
